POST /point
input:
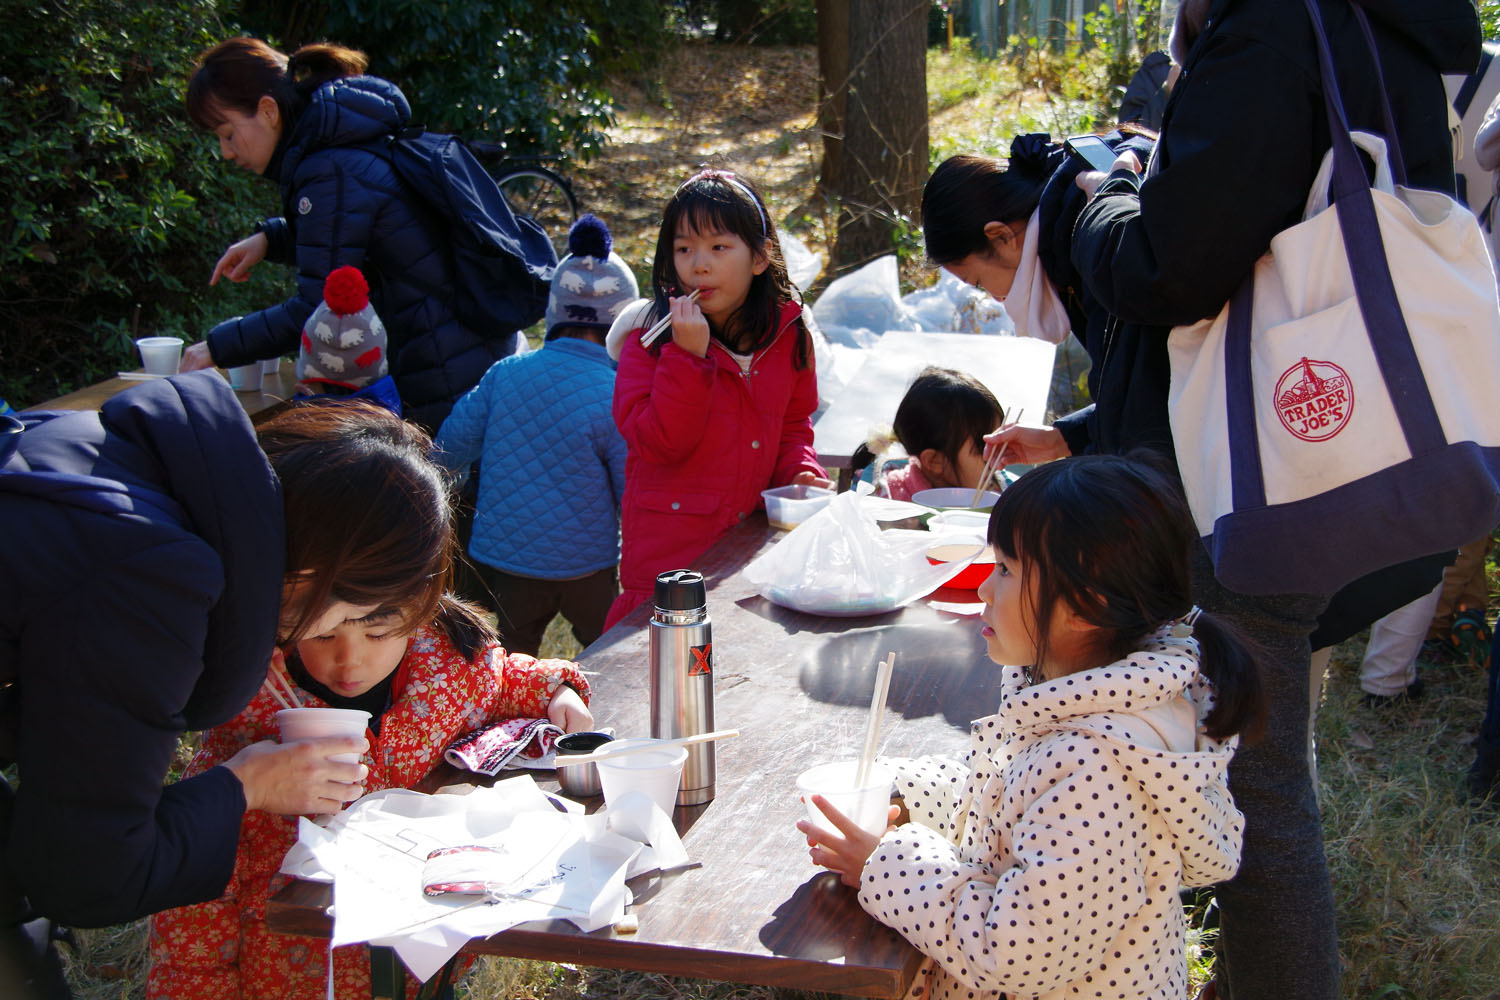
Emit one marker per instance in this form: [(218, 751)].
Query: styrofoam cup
[(270, 366), (320, 723), (160, 355), (655, 772), (245, 378), (868, 805)]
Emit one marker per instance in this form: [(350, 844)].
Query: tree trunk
[(884, 160), (833, 72)]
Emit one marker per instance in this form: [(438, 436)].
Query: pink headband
[(727, 176)]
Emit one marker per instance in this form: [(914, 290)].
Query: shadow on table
[(939, 671), (843, 929)]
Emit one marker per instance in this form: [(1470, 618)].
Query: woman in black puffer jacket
[(318, 128)]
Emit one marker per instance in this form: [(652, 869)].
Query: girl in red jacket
[(719, 407), (423, 689)]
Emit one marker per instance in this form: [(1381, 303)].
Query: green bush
[(519, 71), (117, 206)]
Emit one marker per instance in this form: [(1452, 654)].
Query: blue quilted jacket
[(343, 203), (552, 463)]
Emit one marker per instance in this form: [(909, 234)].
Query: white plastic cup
[(655, 772), (245, 378), (320, 723), (160, 355), (270, 366), (867, 805)]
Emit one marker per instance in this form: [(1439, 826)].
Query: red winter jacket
[(222, 950), (703, 441)]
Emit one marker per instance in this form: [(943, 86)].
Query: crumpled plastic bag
[(802, 265), (950, 305), (858, 308), (840, 563)]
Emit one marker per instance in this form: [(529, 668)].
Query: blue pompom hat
[(591, 284)]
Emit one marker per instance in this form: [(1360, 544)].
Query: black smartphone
[(1092, 150)]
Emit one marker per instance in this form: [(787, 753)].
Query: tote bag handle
[(1390, 340)]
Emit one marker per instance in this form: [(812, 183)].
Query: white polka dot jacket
[(1047, 864)]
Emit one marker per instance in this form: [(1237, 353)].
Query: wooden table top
[(260, 403), (798, 688)]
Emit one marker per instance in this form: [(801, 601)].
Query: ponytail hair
[(234, 75), (1110, 538), (967, 191), (465, 625)]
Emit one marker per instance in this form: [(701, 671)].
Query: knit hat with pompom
[(591, 285), (343, 341)]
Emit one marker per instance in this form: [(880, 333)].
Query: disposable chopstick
[(605, 753), (877, 713), (274, 692), (649, 337), (992, 465), (275, 677)]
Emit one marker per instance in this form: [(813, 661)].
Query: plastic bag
[(838, 562), (953, 306), (862, 305), (802, 265)]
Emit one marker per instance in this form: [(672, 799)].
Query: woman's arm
[(328, 235)]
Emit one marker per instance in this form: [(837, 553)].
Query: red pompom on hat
[(343, 341), (346, 291)]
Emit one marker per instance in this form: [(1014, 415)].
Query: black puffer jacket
[(344, 204), (140, 581), (1244, 133)]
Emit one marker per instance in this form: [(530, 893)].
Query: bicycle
[(532, 189)]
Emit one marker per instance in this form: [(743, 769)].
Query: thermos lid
[(681, 590)]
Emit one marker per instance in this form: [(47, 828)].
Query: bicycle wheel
[(544, 197)]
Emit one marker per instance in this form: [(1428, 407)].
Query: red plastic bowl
[(972, 575)]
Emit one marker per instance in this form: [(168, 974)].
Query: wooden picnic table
[(260, 403), (798, 687)]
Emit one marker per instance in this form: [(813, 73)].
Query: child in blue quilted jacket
[(552, 463)]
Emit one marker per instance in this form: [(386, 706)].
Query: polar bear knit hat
[(343, 341), (591, 285)]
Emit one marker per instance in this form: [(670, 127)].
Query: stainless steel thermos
[(682, 676)]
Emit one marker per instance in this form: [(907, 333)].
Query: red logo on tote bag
[(1314, 399)]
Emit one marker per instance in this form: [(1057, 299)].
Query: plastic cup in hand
[(655, 772), (245, 378), (321, 723), (868, 806), (160, 355)]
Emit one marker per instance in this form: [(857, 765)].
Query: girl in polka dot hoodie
[(1048, 863)]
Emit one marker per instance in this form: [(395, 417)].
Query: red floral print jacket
[(222, 950)]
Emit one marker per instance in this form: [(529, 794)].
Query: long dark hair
[(945, 409), (236, 74), (967, 191), (1110, 539), (714, 201), (368, 517)]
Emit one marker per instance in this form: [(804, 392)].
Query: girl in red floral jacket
[(719, 407), (422, 689)]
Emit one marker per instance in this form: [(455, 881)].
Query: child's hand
[(689, 328), (811, 479), (847, 854), (568, 711)]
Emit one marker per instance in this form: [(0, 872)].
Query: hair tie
[(1183, 627), (880, 440), (727, 176)]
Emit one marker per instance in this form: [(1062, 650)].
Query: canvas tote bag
[(1342, 412)]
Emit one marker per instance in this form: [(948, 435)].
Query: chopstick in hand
[(649, 337), (992, 464)]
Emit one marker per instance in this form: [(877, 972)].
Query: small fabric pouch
[(510, 743)]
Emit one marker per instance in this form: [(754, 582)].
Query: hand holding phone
[(1093, 151)]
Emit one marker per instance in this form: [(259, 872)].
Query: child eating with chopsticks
[(427, 671), (940, 423), (716, 389), (1048, 862)]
